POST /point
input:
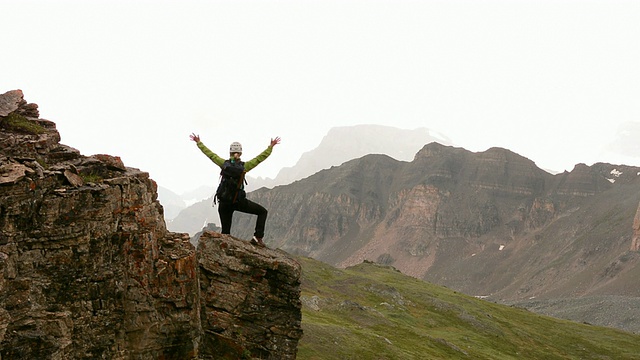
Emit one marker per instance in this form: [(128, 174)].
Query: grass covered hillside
[(371, 311)]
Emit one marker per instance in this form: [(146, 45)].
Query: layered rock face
[(248, 295), (88, 269)]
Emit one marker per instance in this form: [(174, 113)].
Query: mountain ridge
[(489, 223)]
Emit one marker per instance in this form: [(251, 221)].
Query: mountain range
[(489, 224)]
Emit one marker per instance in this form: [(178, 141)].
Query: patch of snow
[(481, 296), (616, 173), (501, 247), (612, 180)]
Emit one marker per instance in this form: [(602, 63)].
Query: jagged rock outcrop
[(88, 269), (250, 296), (13, 102)]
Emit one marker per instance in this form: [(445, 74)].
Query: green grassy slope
[(375, 312)]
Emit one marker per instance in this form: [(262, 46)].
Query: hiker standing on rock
[(230, 194)]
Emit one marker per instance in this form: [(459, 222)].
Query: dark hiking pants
[(225, 210)]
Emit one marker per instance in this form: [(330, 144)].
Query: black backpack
[(230, 189)]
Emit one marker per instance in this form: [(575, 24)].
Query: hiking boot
[(257, 241)]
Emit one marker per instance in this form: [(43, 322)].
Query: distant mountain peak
[(436, 149)]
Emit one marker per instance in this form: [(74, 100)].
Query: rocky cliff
[(88, 269), (250, 300)]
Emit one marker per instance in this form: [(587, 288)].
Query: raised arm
[(263, 155), (205, 150)]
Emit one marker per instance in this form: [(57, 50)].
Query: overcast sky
[(555, 81)]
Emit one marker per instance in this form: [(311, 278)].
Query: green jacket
[(247, 165)]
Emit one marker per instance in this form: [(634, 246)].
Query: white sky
[(555, 81)]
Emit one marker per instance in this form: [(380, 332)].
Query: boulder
[(250, 298)]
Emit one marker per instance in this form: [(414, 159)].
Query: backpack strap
[(238, 187)]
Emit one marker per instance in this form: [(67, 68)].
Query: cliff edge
[(89, 270)]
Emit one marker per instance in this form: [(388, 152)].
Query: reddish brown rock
[(250, 299), (88, 269)]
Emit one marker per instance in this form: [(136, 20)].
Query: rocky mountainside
[(88, 269), (488, 224), (341, 144)]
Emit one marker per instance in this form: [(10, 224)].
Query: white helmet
[(235, 147)]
